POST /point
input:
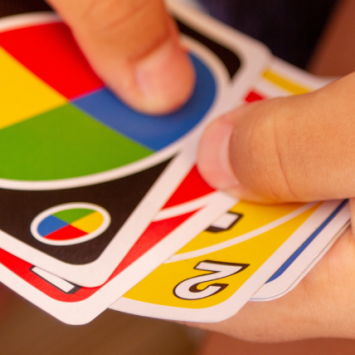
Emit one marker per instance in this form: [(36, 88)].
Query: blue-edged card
[(290, 274)]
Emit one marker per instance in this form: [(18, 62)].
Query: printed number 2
[(188, 289)]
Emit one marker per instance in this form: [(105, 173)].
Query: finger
[(134, 47), (299, 148)]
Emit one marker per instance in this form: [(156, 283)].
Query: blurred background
[(24, 329)]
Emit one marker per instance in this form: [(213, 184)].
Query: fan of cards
[(103, 207)]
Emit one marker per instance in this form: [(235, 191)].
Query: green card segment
[(22, 94), (73, 214), (63, 143)]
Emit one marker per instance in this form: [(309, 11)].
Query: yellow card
[(215, 274)]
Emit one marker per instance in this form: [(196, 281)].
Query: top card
[(82, 174)]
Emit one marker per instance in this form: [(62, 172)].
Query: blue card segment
[(151, 131), (305, 244), (50, 225)]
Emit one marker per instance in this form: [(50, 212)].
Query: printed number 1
[(188, 289)]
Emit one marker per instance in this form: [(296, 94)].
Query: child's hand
[(134, 47)]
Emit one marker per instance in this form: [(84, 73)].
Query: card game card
[(186, 213), (214, 275), (305, 257), (283, 79), (82, 175), (319, 232)]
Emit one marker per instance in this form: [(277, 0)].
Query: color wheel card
[(78, 167), (184, 215)]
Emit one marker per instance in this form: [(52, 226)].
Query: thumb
[(134, 47), (298, 148)]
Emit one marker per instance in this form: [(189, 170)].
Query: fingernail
[(165, 77), (213, 156)]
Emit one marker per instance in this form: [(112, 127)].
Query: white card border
[(84, 311), (97, 272), (232, 305), (299, 268)]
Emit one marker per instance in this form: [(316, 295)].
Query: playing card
[(305, 257), (81, 174), (323, 228), (185, 214), (239, 53), (214, 275), (283, 79)]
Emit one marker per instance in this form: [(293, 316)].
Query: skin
[(296, 149), (274, 155), (322, 305), (285, 149), (133, 46), (281, 150)]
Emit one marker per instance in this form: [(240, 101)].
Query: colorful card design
[(66, 144), (214, 275), (185, 214), (323, 228)]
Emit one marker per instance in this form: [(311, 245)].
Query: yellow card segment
[(285, 83), (160, 287), (89, 223), (254, 217), (22, 94)]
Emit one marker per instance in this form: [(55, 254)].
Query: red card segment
[(50, 52), (253, 96), (67, 233), (156, 232), (192, 187)]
